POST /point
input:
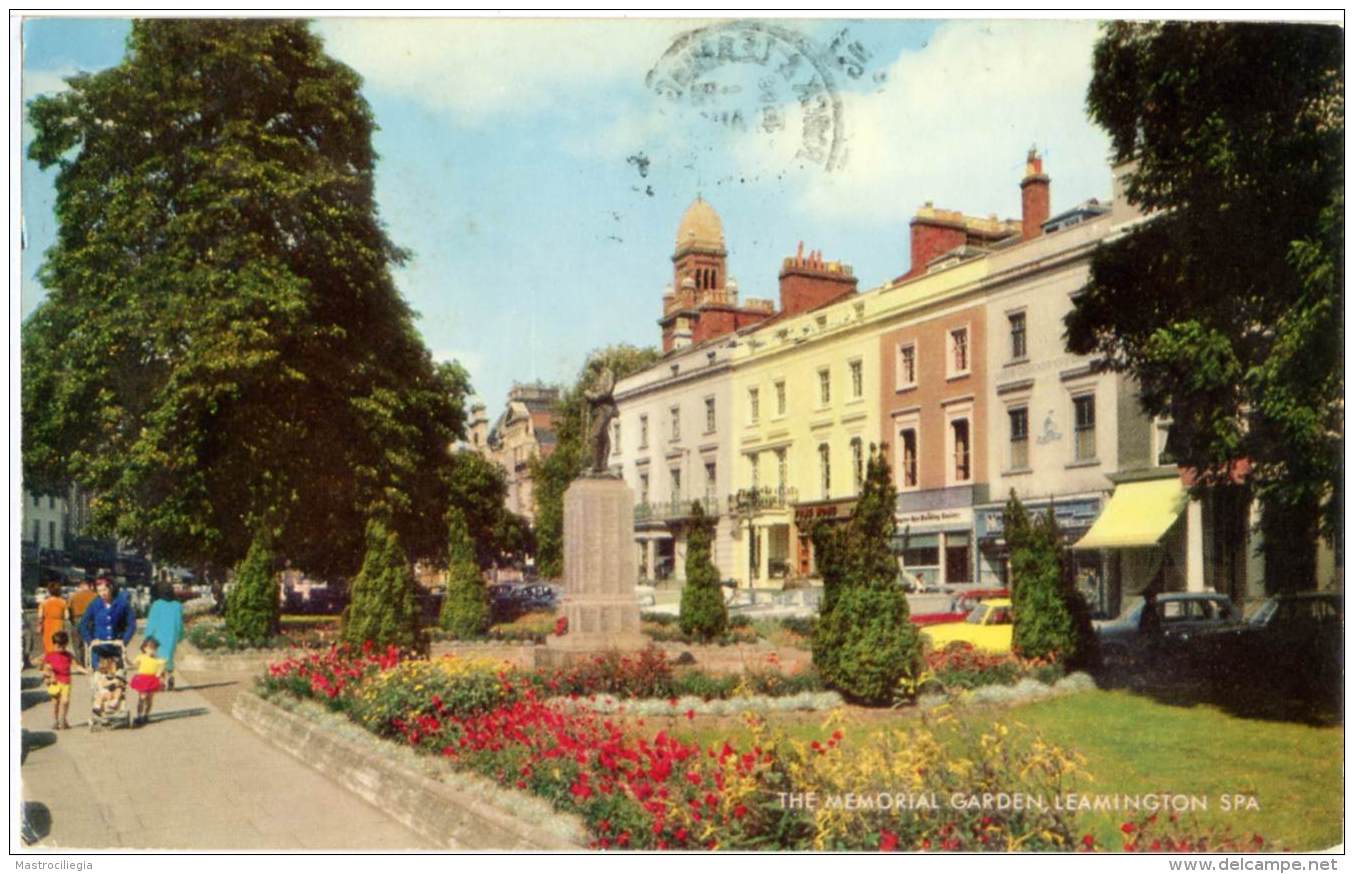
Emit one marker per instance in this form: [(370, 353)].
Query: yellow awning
[(1138, 514)]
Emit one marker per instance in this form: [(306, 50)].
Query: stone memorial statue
[(601, 413)]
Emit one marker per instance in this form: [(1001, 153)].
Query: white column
[(1255, 562), (650, 556), (1194, 547)]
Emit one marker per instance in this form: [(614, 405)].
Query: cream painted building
[(669, 441), (806, 392)]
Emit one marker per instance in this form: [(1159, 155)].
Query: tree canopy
[(551, 476), (1226, 305), (222, 348)]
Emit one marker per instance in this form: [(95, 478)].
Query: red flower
[(740, 811), (1088, 842), (1128, 828), (888, 841)]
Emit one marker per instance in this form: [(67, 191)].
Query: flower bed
[(212, 635), (544, 734), (963, 666)]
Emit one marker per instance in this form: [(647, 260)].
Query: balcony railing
[(670, 511), (747, 501)]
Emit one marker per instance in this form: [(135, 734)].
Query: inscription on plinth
[(599, 568)]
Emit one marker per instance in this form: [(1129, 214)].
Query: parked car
[(1293, 642), (1140, 637), (989, 627), (960, 606)]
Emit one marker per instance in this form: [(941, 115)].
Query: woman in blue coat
[(164, 622)]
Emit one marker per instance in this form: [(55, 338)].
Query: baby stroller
[(120, 712)]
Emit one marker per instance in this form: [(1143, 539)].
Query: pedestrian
[(108, 617), (80, 602), (164, 622), (149, 678), (218, 597), (56, 673), (52, 615)]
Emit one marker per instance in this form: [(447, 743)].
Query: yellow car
[(988, 628)]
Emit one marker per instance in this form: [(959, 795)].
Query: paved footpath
[(193, 778)]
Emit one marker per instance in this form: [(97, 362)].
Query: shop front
[(808, 515), (1074, 516), (935, 547)]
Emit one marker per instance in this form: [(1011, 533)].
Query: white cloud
[(470, 359), (39, 82), (478, 68), (954, 123)]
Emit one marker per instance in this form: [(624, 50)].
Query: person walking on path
[(52, 614), (164, 622), (56, 672), (149, 678), (109, 617), (80, 601)]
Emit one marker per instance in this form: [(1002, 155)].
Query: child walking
[(56, 673), (149, 678)]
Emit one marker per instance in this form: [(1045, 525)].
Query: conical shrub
[(465, 612), (703, 614), (254, 610), (384, 608)]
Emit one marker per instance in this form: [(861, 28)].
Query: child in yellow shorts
[(57, 666)]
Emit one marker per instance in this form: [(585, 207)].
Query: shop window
[(958, 559)]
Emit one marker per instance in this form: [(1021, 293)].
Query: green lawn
[(1136, 745)]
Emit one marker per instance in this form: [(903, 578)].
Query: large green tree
[(1227, 304), (551, 476), (222, 349), (478, 492)]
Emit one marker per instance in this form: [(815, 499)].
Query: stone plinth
[(599, 571)]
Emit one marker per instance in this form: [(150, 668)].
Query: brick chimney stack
[(807, 281), (1034, 208)]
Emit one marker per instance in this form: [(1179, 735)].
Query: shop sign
[(822, 512), (960, 517), (1070, 515)]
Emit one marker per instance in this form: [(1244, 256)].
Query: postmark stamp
[(765, 78)]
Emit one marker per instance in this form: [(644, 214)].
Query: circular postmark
[(754, 76)]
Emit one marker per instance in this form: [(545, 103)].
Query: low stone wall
[(450, 809)]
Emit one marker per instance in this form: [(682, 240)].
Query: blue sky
[(504, 164)]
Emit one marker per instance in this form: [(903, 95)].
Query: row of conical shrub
[(383, 606)]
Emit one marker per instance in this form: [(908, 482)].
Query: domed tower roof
[(700, 228)]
